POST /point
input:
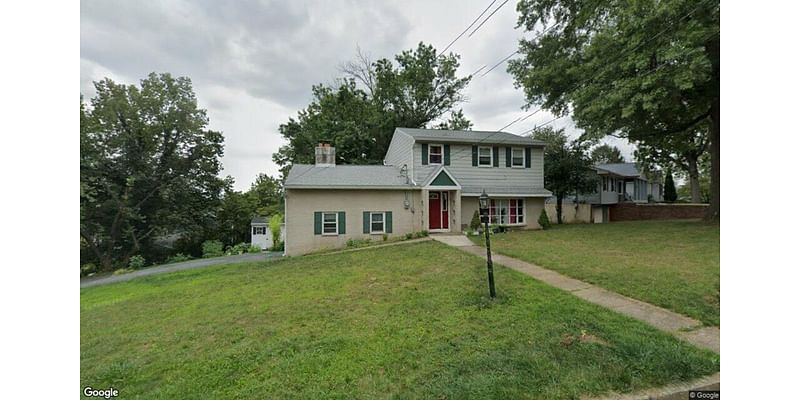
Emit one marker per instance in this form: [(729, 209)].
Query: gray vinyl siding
[(398, 152), (474, 179)]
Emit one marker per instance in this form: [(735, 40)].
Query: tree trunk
[(694, 179), (712, 213), (712, 50), (559, 201)]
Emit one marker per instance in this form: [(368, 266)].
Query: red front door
[(438, 214), (434, 210)]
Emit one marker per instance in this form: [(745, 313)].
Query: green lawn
[(409, 321), (673, 264)]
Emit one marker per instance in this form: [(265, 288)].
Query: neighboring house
[(260, 235), (430, 180), (622, 182)]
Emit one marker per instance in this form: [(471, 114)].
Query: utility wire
[(470, 26), (501, 61), (487, 18)]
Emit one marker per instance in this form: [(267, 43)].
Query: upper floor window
[(484, 156), (517, 157), (435, 154)]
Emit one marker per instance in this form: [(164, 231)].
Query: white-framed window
[(259, 230), (330, 223), (507, 211), (435, 154), (485, 157), (377, 222), (517, 157)]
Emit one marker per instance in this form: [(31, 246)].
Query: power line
[(487, 18), (479, 70), (501, 61), (470, 26)]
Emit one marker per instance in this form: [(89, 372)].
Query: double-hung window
[(517, 157), (330, 223), (484, 156), (435, 154), (377, 222)]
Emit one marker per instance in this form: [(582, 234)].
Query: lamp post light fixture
[(483, 203)]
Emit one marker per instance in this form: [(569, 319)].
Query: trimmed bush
[(239, 248), (212, 248), (475, 222), (136, 262), (544, 220)]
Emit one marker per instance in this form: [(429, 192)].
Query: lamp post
[(483, 201)]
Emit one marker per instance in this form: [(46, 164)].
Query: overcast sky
[(253, 63)]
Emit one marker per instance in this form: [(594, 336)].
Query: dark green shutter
[(508, 156), (317, 223), (447, 154), (342, 223), (366, 221), (474, 156), (424, 154), (496, 156), (388, 222), (527, 157)]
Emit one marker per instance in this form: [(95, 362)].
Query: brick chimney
[(325, 155)]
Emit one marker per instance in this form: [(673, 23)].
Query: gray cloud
[(253, 62)]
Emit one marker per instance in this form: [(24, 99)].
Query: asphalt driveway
[(191, 264)]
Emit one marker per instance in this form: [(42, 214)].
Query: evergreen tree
[(670, 194)]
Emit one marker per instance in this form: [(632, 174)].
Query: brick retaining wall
[(638, 212)]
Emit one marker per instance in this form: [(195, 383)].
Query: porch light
[(484, 202)]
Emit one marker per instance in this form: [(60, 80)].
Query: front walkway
[(191, 264), (679, 325)]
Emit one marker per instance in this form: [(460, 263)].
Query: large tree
[(148, 167), (359, 114), (680, 151), (606, 154), (644, 70), (567, 168)]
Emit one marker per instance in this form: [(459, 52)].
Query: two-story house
[(430, 180)]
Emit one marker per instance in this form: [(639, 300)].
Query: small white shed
[(260, 234)]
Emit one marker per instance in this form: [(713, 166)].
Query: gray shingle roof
[(346, 176), (505, 190), (622, 169), (488, 137), (258, 220)]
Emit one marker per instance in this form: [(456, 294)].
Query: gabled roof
[(475, 137), (258, 220), (441, 177), (305, 176), (627, 170)]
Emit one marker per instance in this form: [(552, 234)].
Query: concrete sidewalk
[(679, 325)]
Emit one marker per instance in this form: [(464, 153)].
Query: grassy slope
[(399, 322), (673, 264)]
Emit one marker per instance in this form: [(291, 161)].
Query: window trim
[(383, 222), (441, 154), (491, 157), (336, 224), (521, 157), (259, 228), (494, 206)]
